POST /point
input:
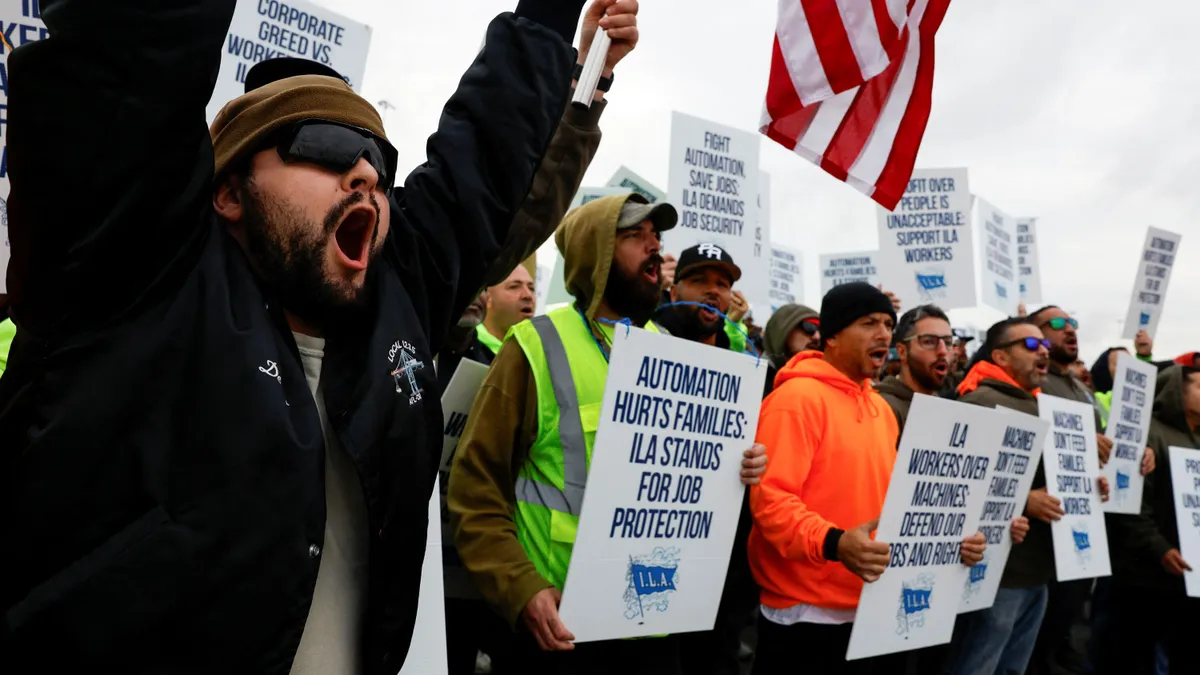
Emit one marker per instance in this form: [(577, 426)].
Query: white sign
[(787, 277), (588, 194), (714, 183), (1029, 267), (1185, 483), (629, 181), (764, 305), (1000, 288), (268, 29), (1072, 466), (1128, 427), (933, 502), (1008, 481), (844, 268), (427, 653), (926, 253), (663, 490), (456, 405), (21, 22), (1150, 285)]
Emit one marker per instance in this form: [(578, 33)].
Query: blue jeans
[(999, 640)]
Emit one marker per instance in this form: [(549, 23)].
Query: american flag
[(850, 87)]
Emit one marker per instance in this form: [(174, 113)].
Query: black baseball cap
[(962, 335), (706, 255), (273, 70)]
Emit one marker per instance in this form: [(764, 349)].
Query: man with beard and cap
[(790, 330), (820, 499), (268, 296), (704, 275), (517, 484), (1148, 602), (923, 343), (1010, 368)]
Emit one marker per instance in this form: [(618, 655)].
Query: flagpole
[(593, 66)]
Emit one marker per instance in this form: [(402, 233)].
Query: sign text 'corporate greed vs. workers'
[(926, 251), (715, 184), (1072, 467), (269, 29), (21, 23), (933, 502), (663, 493)]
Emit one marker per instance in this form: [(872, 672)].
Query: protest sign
[(268, 29), (1029, 269), (933, 502), (427, 653), (1008, 481), (926, 251), (1150, 285), (714, 183), (1072, 466), (21, 22), (997, 265), (1128, 426), (629, 181), (763, 306), (843, 268), (456, 404), (663, 490), (1185, 483), (787, 279)]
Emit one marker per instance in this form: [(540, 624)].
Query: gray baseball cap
[(637, 210)]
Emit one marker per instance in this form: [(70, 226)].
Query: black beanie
[(845, 304)]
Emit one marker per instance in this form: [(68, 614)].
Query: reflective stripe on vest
[(570, 431)]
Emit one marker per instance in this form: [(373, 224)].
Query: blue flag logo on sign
[(651, 581), (978, 572), (1122, 480), (930, 282), (915, 597), (1001, 291), (1145, 319)]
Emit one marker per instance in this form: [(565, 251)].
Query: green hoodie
[(1141, 541)]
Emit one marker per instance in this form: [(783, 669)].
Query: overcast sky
[(1083, 114)]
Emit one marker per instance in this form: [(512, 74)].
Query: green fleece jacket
[(1031, 562), (1140, 541)]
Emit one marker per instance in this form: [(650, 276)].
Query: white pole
[(593, 66)]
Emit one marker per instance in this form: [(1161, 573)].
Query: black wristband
[(605, 83), (829, 550)]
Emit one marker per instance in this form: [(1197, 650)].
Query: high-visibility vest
[(487, 339), (569, 370)]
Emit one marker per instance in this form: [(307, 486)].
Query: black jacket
[(162, 489)]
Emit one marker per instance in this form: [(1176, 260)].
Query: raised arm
[(109, 156), (504, 150)]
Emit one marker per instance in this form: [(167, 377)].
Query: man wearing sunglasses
[(923, 342), (790, 330), (220, 426)]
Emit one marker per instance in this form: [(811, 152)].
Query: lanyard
[(599, 344)]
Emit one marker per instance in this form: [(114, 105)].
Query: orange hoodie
[(833, 444)]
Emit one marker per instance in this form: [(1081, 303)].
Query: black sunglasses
[(810, 326), (1031, 343), (338, 147)]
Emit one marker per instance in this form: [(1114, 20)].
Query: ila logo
[(915, 596), (405, 365), (652, 579)]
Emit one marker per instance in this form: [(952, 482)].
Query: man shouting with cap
[(220, 427)]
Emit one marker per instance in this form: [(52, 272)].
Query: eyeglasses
[(338, 148), (810, 326), (1059, 323), (930, 341), (1031, 343)]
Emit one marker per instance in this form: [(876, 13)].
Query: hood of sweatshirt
[(782, 322), (1168, 399), (893, 386), (586, 239), (812, 365)]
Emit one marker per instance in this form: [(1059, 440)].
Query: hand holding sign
[(619, 19), (1148, 463), (1174, 563), (1104, 446), (862, 556), (973, 548), (1044, 507), (754, 464), (1019, 529), (737, 307), (541, 618)]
